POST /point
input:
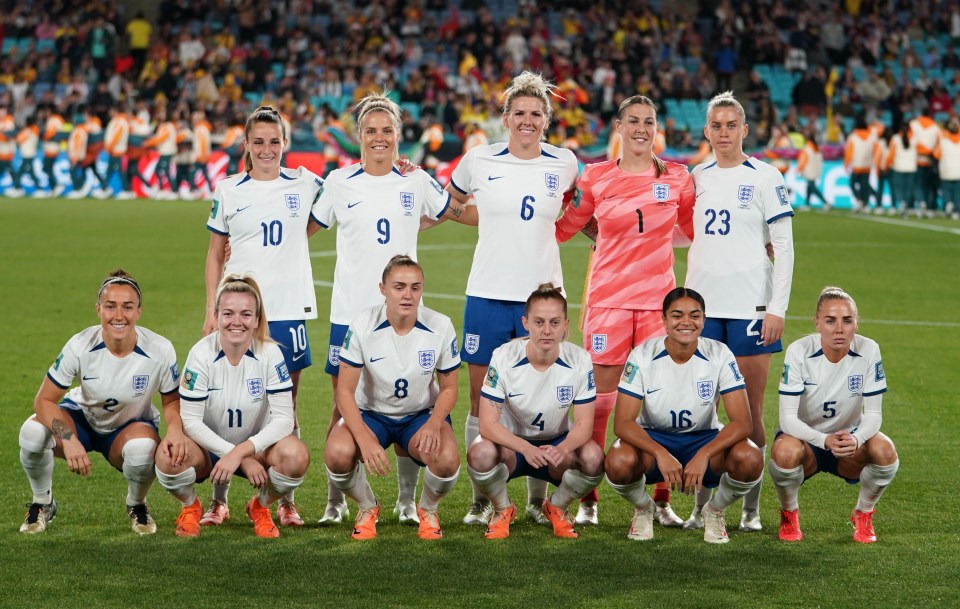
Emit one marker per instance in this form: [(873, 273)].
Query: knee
[(591, 459), (139, 452), (35, 437), (880, 450), (621, 465), (787, 452), (483, 455), (293, 458), (340, 455), (447, 463), (744, 462)]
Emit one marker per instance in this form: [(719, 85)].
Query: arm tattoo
[(456, 211), (60, 430), (591, 229)]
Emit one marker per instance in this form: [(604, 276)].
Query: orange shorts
[(610, 334)]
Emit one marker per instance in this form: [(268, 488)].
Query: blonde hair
[(835, 293), (263, 114), (529, 84), (545, 291), (120, 277), (400, 260), (726, 100), (643, 100), (379, 102), (245, 284)]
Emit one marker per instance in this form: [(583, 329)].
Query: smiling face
[(119, 309), (265, 143), (237, 319), (683, 321), (379, 138), (725, 130), (547, 324), (525, 119), (638, 128), (402, 289), (837, 324)]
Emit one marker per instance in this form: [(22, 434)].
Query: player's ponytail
[(400, 260), (245, 284), (835, 293), (263, 114), (546, 291)]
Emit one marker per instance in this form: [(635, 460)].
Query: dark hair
[(263, 114), (677, 293), (545, 291), (120, 277), (397, 261), (643, 100)]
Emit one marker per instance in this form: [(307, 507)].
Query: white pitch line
[(576, 305), (435, 247), (908, 224)]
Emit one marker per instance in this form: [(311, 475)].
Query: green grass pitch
[(903, 275)]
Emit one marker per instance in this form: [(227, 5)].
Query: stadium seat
[(411, 108)]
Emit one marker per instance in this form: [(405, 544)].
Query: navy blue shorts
[(683, 447), (91, 439), (541, 473), (487, 324), (213, 461), (294, 343), (826, 462), (397, 431), (742, 336), (337, 333)]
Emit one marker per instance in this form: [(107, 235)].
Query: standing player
[(518, 189), (28, 140), (678, 381), (858, 157), (265, 212), (742, 205), (378, 210), (831, 392), (925, 134), (116, 140), (165, 141), (947, 154), (236, 408), (631, 205), (120, 367), (531, 387), (53, 136), (397, 385)]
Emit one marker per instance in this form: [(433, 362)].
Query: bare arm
[(213, 272), (61, 425), (373, 455), (175, 443)]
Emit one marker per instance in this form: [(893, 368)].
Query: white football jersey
[(728, 263), (266, 222), (536, 405), (379, 218), (831, 395), (518, 202), (231, 404), (397, 372), (680, 398), (115, 390)]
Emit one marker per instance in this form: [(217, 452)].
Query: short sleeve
[(450, 356), (462, 176), (217, 222), (578, 213), (278, 377), (171, 373), (351, 353), (322, 211), (875, 382), (195, 379), (587, 386), (318, 191), (436, 199), (791, 379), (631, 381), (66, 367), (730, 377), (493, 384)]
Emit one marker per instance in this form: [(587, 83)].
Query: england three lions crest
[(565, 394), (406, 201), (661, 192), (427, 359), (705, 389), (292, 202), (745, 193), (471, 342), (140, 382), (855, 383), (553, 181), (599, 343), (255, 387)]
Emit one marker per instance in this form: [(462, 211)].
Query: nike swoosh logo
[(214, 388), (354, 204), (240, 209), (297, 357), (760, 343), (492, 178), (700, 193), (649, 391), (513, 395), (806, 384), (377, 359), (90, 378)]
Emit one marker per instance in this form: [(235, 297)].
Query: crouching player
[(236, 409), (397, 385), (830, 396), (531, 387), (676, 437)]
